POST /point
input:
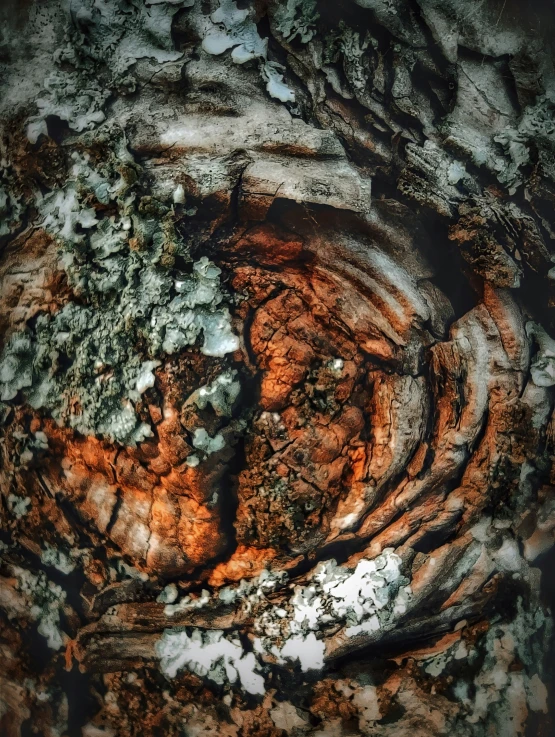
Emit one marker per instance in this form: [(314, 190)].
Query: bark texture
[(276, 377)]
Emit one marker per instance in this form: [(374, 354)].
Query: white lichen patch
[(57, 559), (231, 27), (18, 506), (306, 649), (31, 446), (168, 595), (253, 592), (542, 368), (120, 570), (285, 716), (146, 378), (436, 664), (361, 600), (209, 654), (372, 594), (186, 604), (46, 599), (275, 84), (366, 701), (339, 595), (203, 441)]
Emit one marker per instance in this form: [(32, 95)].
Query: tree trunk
[(277, 377)]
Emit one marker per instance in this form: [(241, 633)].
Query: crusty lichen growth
[(89, 363), (86, 73)]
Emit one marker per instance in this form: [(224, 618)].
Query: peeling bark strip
[(277, 368)]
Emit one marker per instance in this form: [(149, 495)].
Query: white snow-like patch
[(306, 649), (508, 556), (358, 598), (179, 195), (366, 701), (456, 171), (361, 600), (338, 594), (367, 627), (336, 365), (209, 654), (275, 84), (219, 338), (537, 694)]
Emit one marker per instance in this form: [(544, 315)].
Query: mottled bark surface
[(276, 376)]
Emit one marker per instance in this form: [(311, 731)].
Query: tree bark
[(276, 381)]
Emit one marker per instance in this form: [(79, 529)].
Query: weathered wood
[(276, 380)]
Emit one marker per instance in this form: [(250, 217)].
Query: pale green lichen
[(29, 447), (542, 368), (297, 19), (69, 97), (104, 41), (500, 693), (221, 394), (16, 368), (536, 128), (349, 48), (89, 363), (11, 208), (234, 28), (186, 604), (168, 595)]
